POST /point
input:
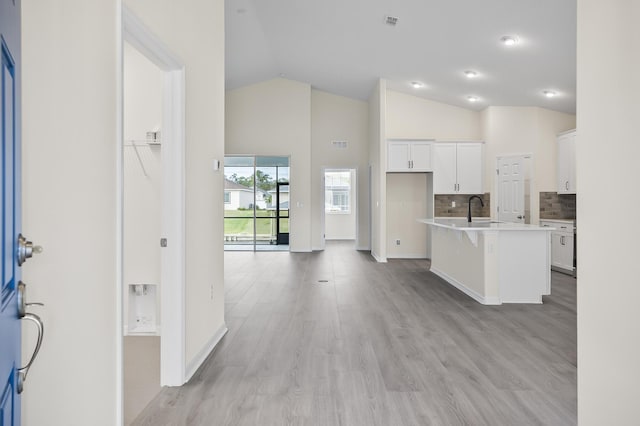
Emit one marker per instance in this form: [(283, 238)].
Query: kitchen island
[(493, 262)]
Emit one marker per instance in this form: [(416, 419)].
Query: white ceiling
[(344, 46)]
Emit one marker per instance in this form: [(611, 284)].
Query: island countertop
[(482, 225)]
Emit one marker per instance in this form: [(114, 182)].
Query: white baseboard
[(378, 258), (363, 248), (407, 256), (196, 362), (466, 290)]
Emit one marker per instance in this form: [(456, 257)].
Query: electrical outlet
[(397, 242), (453, 204)]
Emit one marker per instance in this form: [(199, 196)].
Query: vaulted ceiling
[(345, 46)]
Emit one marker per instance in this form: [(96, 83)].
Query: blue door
[(10, 128)]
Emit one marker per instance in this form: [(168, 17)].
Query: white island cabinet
[(492, 262)]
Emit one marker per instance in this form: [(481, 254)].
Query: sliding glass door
[(256, 203)]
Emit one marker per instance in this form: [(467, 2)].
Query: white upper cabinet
[(567, 163), (458, 167), (409, 156)]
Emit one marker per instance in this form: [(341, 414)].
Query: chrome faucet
[(469, 212)]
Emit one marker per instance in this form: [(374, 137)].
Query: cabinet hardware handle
[(566, 185)]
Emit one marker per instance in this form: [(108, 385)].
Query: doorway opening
[(150, 218), (340, 215), (513, 188), (256, 203)]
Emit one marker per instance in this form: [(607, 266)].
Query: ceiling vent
[(391, 20), (339, 144)]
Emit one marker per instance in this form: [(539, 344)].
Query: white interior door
[(511, 194)]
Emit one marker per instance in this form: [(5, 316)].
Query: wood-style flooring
[(378, 344)]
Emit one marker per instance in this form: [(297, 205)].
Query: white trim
[(119, 341), (466, 290), (201, 357), (172, 291), (407, 256), (378, 259), (363, 248)]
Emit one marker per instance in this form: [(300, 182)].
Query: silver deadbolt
[(26, 249)]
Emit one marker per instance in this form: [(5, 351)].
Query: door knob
[(26, 249), (520, 217)]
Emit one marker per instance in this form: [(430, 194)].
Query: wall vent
[(339, 144), (391, 20)]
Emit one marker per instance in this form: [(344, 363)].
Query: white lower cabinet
[(562, 246)]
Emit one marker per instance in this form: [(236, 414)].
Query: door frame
[(528, 156), (172, 291), (354, 202)]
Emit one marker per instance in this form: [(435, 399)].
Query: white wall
[(69, 192), (142, 210), (377, 161), (523, 130), (274, 118), (607, 168), (411, 117), (69, 197), (337, 118), (407, 202), (188, 30)]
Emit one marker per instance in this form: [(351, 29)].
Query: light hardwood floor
[(379, 344)]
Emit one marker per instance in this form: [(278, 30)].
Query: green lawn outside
[(244, 227)]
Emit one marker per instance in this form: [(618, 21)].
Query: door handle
[(521, 217), (26, 249), (22, 300), (22, 372), (566, 185)]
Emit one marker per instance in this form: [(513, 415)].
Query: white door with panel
[(511, 189)]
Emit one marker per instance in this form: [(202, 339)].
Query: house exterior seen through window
[(337, 186), (227, 197)]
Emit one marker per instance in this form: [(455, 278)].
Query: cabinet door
[(398, 157), (469, 168), (565, 257), (421, 156), (444, 168), (562, 250), (566, 164)]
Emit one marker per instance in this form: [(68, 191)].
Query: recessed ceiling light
[(473, 98), (470, 74), (549, 93), (417, 85), (509, 40)]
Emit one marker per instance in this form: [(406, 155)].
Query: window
[(337, 189), (227, 197)]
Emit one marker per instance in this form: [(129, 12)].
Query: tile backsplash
[(557, 206), (443, 206)]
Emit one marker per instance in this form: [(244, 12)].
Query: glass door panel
[(253, 217), (239, 202)]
